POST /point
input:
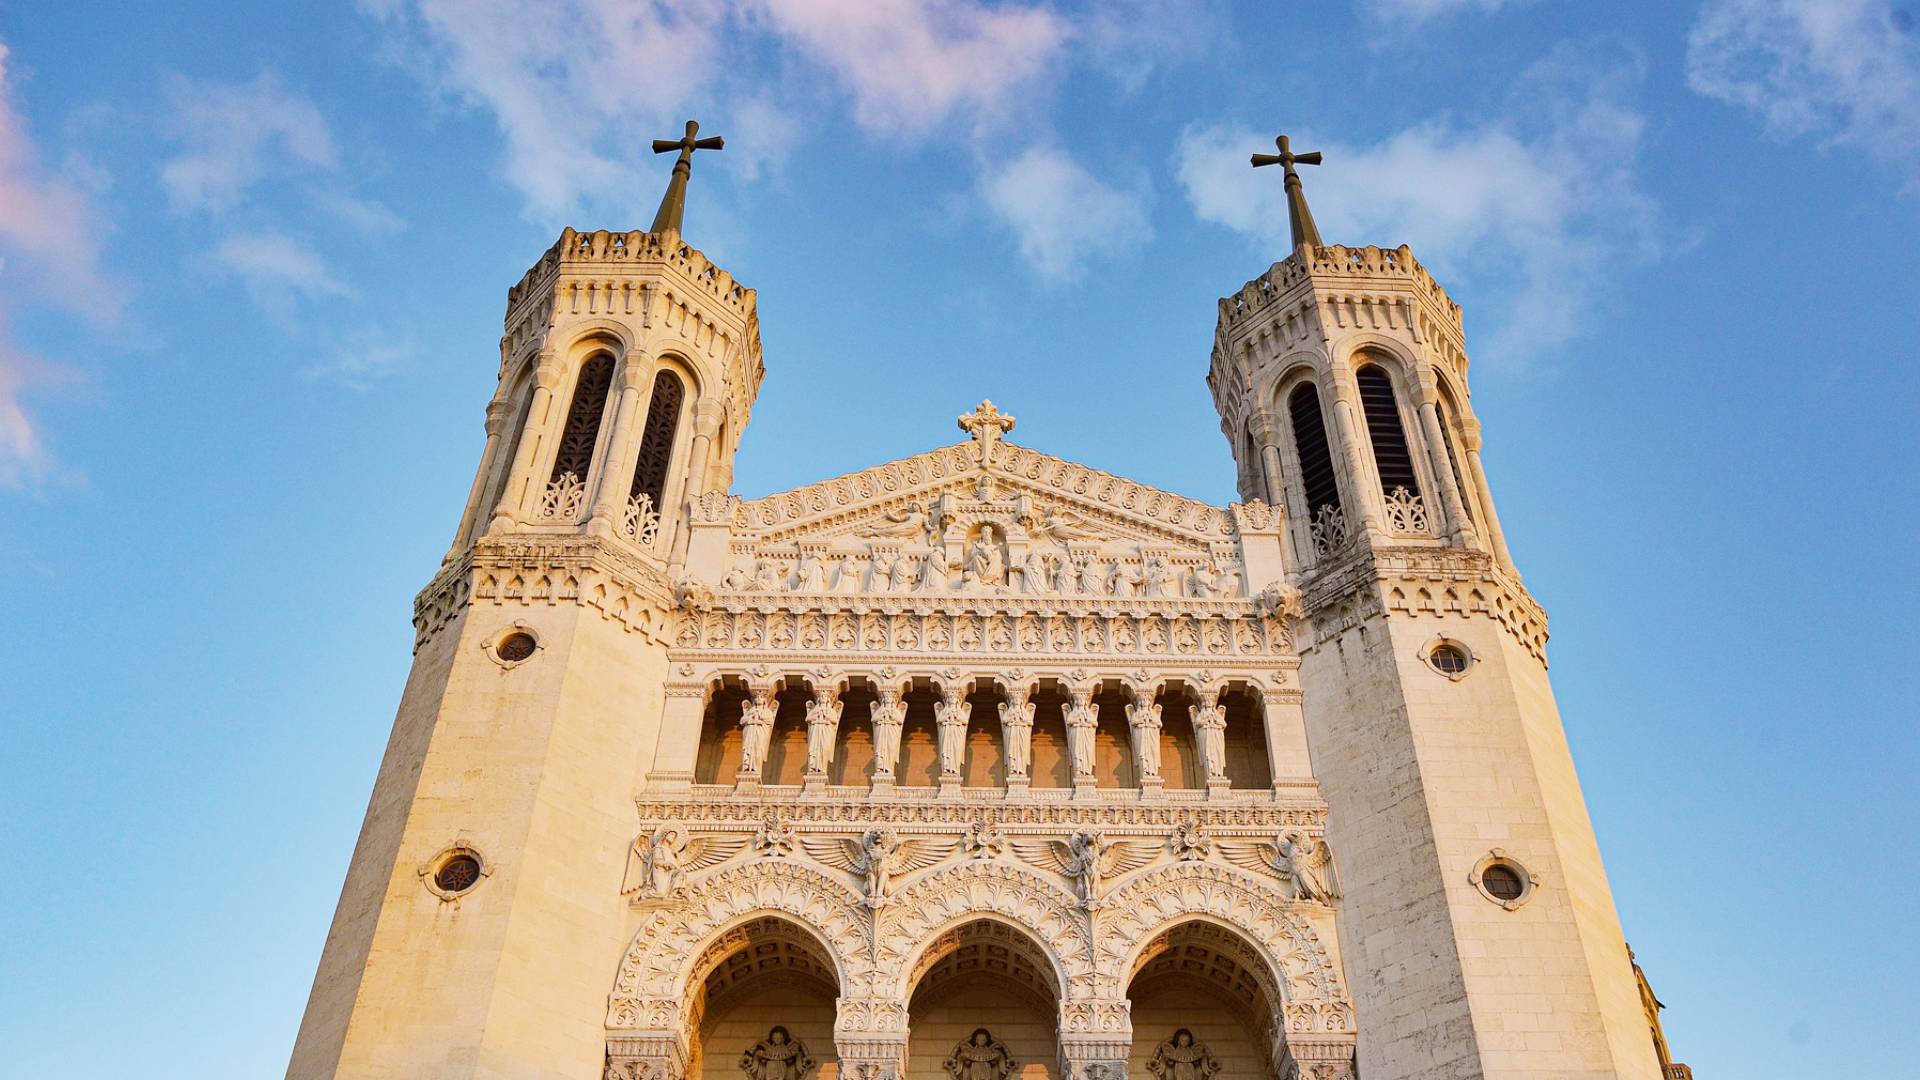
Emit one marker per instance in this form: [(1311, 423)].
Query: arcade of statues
[(981, 763)]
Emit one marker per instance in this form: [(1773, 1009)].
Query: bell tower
[(1479, 932), (482, 908)]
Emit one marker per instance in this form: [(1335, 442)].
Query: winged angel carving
[(657, 863), (1305, 862), (1088, 859), (878, 857)]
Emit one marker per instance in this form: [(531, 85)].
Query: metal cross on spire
[(673, 205), (1298, 216)]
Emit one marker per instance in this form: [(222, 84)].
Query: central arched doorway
[(765, 974), (983, 975), (1208, 982)]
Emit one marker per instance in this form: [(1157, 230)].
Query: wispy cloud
[(363, 360), (276, 269), (1843, 72), (903, 69), (231, 133), (1529, 209), (1062, 216), (50, 243), (1415, 12)]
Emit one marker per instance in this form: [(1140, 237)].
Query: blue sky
[(253, 260)]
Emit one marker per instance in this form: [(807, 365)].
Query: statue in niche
[(981, 1057), (887, 714), (950, 716), (779, 1056), (1183, 1057), (1210, 731), (985, 565), (823, 720)]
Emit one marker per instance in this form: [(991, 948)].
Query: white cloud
[(276, 269), (911, 64), (1061, 215), (362, 361), (1420, 11), (1845, 72), (50, 243), (232, 133), (1527, 211)]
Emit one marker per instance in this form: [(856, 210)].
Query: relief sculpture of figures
[(1303, 861), (984, 566), (878, 857), (912, 523), (1087, 859), (1016, 724), (756, 729), (1081, 725), (657, 864), (1182, 1057), (779, 1056), (1143, 715), (1210, 731), (951, 718), (887, 717), (823, 720), (980, 1057)]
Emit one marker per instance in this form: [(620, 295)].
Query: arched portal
[(1201, 996), (765, 974), (983, 974)]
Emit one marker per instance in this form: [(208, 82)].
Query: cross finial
[(1299, 218), (673, 204), (986, 424)]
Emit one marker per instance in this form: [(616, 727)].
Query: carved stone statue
[(1086, 578), (1210, 731), (951, 718), (1155, 576), (777, 1057), (1059, 526), (1143, 716), (1117, 582), (766, 576), (1035, 573), (880, 571), (1087, 859), (912, 523), (1016, 731), (823, 721), (985, 565), (933, 571), (756, 729), (658, 863), (878, 856), (1308, 863), (738, 579), (887, 717), (1182, 1057), (809, 575), (1203, 582), (980, 1057), (902, 577), (982, 840), (1081, 725)]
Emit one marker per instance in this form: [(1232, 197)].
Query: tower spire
[(673, 205), (1298, 216)]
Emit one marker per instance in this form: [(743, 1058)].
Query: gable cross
[(1299, 218), (986, 424), (673, 205)]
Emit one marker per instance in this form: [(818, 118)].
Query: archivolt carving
[(983, 889), (661, 961), (1312, 996)]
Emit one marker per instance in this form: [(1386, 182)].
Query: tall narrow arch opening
[(1317, 480), (1392, 457), (1202, 1002), (580, 435), (983, 975), (657, 437), (764, 975)]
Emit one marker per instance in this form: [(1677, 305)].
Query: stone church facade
[(982, 762)]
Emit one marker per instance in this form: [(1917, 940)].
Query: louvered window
[(1391, 457), (1310, 444), (656, 441), (577, 439)]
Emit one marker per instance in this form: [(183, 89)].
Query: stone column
[(645, 1056), (1143, 717), (1286, 729), (951, 717), (546, 377), (1082, 723), (1471, 437), (1461, 529), (1270, 462), (756, 732), (616, 473), (1016, 738), (706, 424), (823, 725), (888, 716), (1210, 731), (868, 1054), (1362, 494), (1307, 1057), (499, 411), (1096, 1038)]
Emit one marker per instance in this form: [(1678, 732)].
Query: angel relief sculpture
[(779, 1056), (657, 863), (1305, 862), (1087, 859), (980, 1057), (1182, 1057), (878, 857)]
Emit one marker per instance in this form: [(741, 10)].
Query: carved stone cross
[(1299, 218), (986, 424)]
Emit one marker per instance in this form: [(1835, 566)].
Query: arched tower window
[(1406, 512), (1310, 444), (577, 439), (656, 439)]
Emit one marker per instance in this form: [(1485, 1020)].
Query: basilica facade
[(980, 763)]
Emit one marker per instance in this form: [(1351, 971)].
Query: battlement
[(634, 250), (1339, 266)]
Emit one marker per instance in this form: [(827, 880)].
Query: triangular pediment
[(1044, 498)]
